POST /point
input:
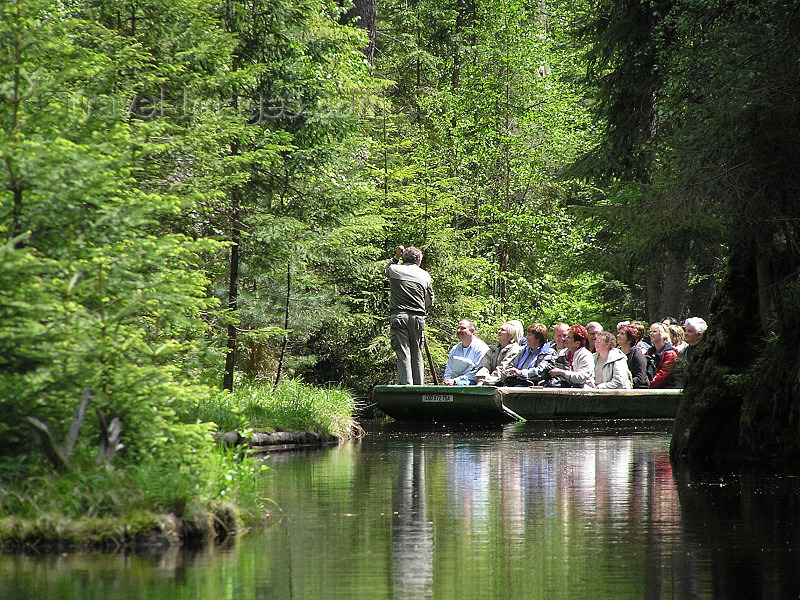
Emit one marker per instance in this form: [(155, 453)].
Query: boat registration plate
[(437, 397)]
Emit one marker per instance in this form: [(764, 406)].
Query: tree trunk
[(765, 280), (363, 14), (654, 280), (16, 215), (285, 322), (233, 293), (673, 290)]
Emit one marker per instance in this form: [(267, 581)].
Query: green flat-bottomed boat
[(471, 404)]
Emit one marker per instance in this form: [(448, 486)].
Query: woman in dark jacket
[(627, 338)]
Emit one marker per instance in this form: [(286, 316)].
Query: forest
[(202, 195)]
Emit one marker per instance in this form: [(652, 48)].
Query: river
[(527, 511)]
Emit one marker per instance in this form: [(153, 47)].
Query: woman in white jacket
[(610, 364), (579, 368)]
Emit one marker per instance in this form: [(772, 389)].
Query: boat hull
[(488, 404), (556, 403), (426, 403)]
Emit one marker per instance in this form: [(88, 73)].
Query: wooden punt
[(469, 404)]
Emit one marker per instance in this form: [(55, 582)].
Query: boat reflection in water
[(537, 507)]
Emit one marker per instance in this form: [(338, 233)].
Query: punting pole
[(432, 366)]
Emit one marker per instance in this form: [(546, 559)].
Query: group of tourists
[(575, 356)]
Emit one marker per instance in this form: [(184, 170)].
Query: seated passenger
[(465, 357), (628, 338), (534, 360), (677, 336), (641, 330), (501, 355), (578, 369), (560, 339), (694, 328), (593, 328), (610, 364), (664, 356)]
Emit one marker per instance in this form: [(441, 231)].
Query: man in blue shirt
[(465, 357)]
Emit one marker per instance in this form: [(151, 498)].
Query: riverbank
[(137, 532), (142, 505)]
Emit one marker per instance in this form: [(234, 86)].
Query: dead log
[(51, 449)]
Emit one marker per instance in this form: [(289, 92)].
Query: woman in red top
[(665, 356)]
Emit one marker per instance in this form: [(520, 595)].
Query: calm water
[(521, 512)]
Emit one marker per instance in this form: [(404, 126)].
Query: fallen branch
[(61, 456), (51, 450)]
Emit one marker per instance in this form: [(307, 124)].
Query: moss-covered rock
[(707, 423)]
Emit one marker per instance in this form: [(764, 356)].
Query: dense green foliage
[(485, 111), (125, 133)]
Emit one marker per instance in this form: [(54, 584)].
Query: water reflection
[(412, 532), (539, 504), (522, 512), (741, 532)]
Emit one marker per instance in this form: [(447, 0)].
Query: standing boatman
[(412, 294)]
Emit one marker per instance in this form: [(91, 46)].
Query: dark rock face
[(707, 423), (742, 396)]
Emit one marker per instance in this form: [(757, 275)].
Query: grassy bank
[(193, 491), (291, 406)]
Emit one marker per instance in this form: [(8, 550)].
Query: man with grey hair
[(411, 295), (592, 328), (693, 329)]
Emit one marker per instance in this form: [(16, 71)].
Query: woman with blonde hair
[(677, 336), (500, 355)]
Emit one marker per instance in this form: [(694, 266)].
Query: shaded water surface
[(527, 511)]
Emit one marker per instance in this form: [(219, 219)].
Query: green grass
[(110, 507), (291, 406)]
